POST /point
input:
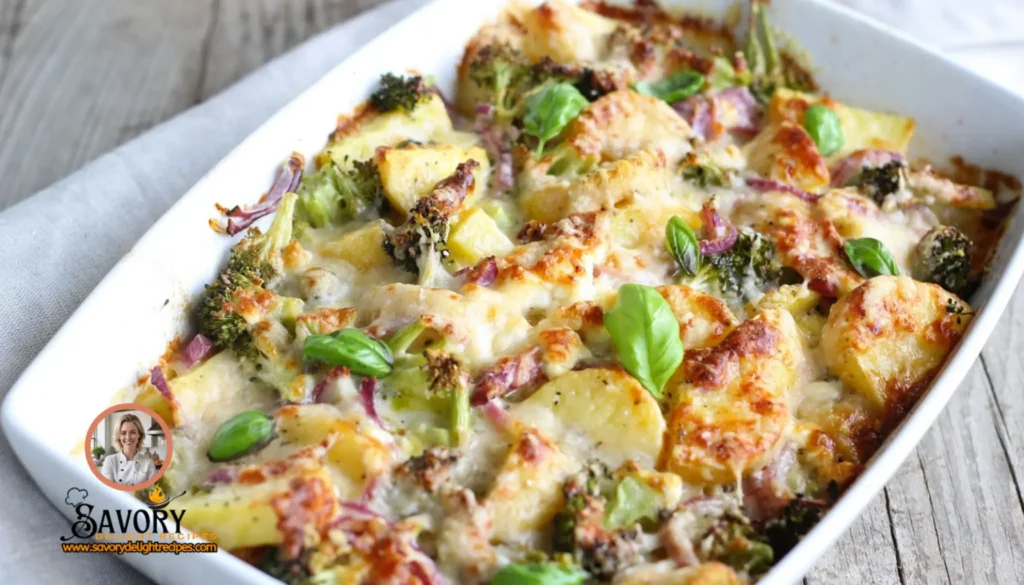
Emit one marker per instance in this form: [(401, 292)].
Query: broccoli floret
[(769, 69), (239, 300), (944, 257), (705, 175), (436, 380), (580, 530), (331, 195), (507, 76), (291, 572), (733, 540), (795, 521), (742, 272), (879, 182), (397, 92), (420, 244)]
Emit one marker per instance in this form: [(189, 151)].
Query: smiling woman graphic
[(129, 445), (132, 464)]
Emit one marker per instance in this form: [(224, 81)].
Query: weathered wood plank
[(249, 33), (959, 519), (81, 80), (1005, 369), (111, 74), (866, 554)]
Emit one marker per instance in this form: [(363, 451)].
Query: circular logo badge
[(129, 448)]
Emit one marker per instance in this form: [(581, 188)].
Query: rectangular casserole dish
[(143, 303)]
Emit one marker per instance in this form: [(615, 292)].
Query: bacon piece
[(197, 350), (308, 507), (509, 374), (483, 274)]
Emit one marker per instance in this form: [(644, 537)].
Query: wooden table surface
[(79, 77)]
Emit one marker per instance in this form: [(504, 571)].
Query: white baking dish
[(141, 305)]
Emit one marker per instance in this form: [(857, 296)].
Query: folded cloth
[(60, 242)]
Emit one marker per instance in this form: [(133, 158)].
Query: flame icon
[(157, 495)]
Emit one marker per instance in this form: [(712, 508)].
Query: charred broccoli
[(398, 93), (944, 257), (795, 521), (580, 529), (331, 195), (879, 182), (740, 272), (420, 244), (705, 175), (506, 75), (435, 380), (241, 313)]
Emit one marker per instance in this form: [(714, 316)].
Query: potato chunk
[(528, 489), (476, 236), (637, 180), (888, 338), (624, 122), (608, 405), (363, 248), (412, 172), (703, 319), (248, 512), (358, 137), (731, 401), (358, 449)]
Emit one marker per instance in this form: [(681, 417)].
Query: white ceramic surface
[(141, 305)]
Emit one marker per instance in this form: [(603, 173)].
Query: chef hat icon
[(75, 496)]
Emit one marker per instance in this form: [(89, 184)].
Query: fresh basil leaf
[(676, 87), (351, 348), (646, 334), (538, 574), (682, 244), (825, 128), (632, 501), (550, 109), (240, 435), (870, 257)]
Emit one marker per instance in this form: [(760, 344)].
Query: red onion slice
[(747, 111), (287, 180), (197, 350), (697, 111), (483, 110), (505, 177), (722, 235), (495, 412), (761, 184), (366, 389), (332, 376), (846, 169)]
